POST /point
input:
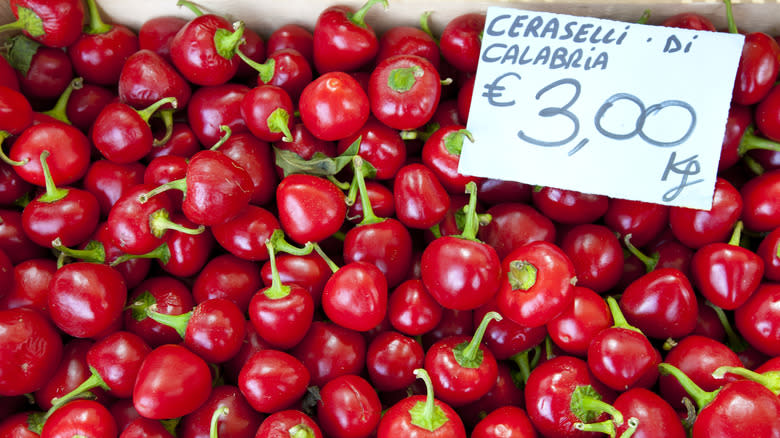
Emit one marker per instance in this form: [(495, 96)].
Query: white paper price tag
[(599, 106)]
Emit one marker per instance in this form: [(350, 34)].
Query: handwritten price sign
[(598, 106)]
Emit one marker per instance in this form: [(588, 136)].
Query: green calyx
[(227, 42), (301, 431), (160, 222), (28, 21), (427, 414), (453, 141), (521, 275), (279, 121), (469, 354), (402, 79), (138, 307), (586, 404)]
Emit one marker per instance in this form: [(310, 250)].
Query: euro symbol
[(494, 90)]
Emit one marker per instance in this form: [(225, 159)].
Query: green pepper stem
[(736, 234), (606, 427), (333, 266), (649, 262), (278, 121), (95, 25), (177, 184), (617, 315), (427, 415), (453, 141), (471, 225), (15, 25), (277, 290), (162, 253), (59, 111), (53, 194), (265, 70), (633, 424), (730, 17), (28, 20), (177, 322), (751, 141), (160, 222), (226, 133), (523, 362), (701, 397), (369, 217), (4, 157), (341, 185), (282, 245), (147, 112), (93, 381), (770, 379), (191, 6), (425, 24), (470, 356), (595, 405), (93, 252), (644, 18), (227, 42), (753, 165), (166, 115), (359, 17), (214, 423), (735, 341)]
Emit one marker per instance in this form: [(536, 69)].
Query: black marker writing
[(686, 167), (494, 90)]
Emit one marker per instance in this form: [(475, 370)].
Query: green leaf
[(21, 52), (430, 423), (33, 24), (139, 306), (319, 164)]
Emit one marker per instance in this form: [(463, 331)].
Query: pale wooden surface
[(264, 15)]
